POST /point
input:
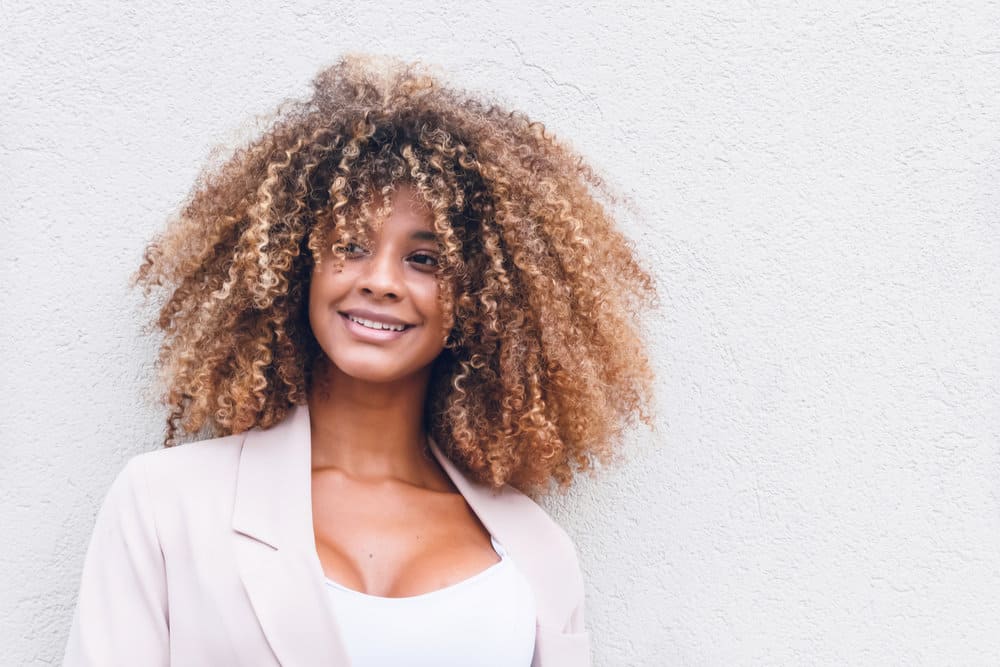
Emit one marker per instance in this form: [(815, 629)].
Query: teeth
[(376, 325)]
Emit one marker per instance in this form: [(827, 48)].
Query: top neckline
[(436, 592)]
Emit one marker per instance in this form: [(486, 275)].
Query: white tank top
[(487, 620)]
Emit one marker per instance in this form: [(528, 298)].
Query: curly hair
[(544, 366)]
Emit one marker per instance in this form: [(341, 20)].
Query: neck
[(370, 431)]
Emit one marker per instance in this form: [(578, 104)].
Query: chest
[(394, 541)]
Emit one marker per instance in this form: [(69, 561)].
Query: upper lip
[(375, 317)]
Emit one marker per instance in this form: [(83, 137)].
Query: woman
[(399, 314)]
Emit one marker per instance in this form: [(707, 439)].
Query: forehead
[(410, 216)]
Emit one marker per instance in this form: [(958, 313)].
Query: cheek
[(313, 299), (316, 291), (315, 310), (429, 302), (322, 294)]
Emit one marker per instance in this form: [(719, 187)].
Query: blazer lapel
[(276, 549), (524, 530), (280, 568), (500, 510)]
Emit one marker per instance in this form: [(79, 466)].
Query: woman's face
[(392, 281)]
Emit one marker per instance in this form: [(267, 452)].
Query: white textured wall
[(820, 195)]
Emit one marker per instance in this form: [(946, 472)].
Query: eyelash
[(343, 248), (432, 257)]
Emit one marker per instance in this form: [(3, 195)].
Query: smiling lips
[(375, 324), (371, 330)]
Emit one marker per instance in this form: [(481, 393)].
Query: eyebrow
[(423, 235)]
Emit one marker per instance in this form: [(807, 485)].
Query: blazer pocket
[(554, 648)]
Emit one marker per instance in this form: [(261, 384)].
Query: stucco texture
[(816, 183)]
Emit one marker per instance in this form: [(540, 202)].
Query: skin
[(386, 517)]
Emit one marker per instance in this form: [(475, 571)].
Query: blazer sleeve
[(121, 611), (576, 620)]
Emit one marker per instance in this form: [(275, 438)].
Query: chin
[(365, 372), (374, 371)]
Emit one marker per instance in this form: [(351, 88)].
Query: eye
[(433, 260), (346, 248)]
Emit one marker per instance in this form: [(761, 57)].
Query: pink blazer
[(204, 554)]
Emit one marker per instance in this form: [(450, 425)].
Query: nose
[(381, 276)]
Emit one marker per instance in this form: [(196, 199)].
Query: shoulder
[(533, 512), (191, 460), (186, 476)]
